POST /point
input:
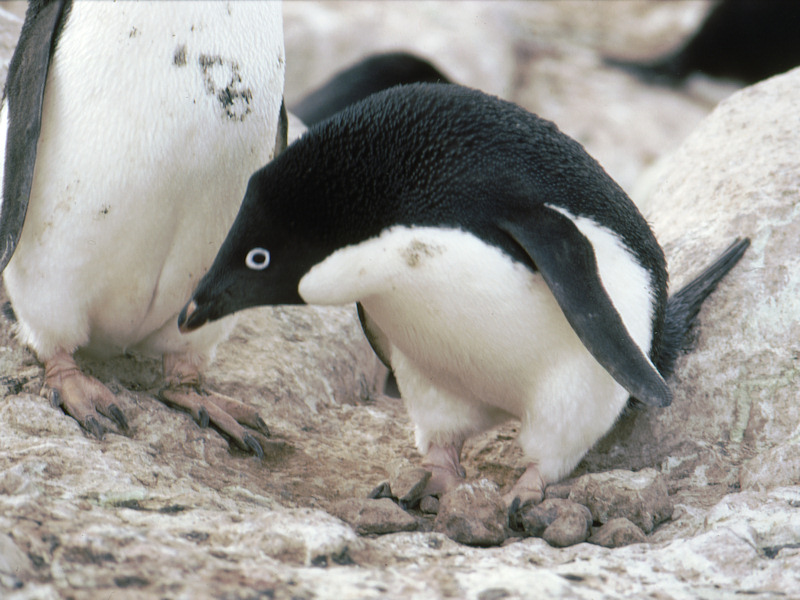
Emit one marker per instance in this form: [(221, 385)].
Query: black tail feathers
[(683, 306)]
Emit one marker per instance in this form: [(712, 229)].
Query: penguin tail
[(683, 306)]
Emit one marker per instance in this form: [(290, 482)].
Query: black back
[(438, 155)]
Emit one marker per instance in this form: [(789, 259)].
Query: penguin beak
[(190, 319)]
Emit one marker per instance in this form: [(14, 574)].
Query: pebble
[(473, 514), (558, 521), (369, 516), (408, 484), (617, 533)]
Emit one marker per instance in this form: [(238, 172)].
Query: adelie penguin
[(129, 130), (497, 269)]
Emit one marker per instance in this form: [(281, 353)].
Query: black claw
[(261, 427), (118, 416), (513, 514), (94, 427), (55, 398), (202, 414), (253, 444)]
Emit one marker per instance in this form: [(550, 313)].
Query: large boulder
[(736, 391)]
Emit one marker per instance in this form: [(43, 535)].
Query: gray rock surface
[(776, 467), (171, 512)]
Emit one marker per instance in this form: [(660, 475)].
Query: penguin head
[(344, 181), (264, 256)]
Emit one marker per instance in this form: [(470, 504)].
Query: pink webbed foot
[(529, 488), (444, 463), (231, 417), (79, 395)]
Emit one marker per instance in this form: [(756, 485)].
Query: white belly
[(155, 115), (477, 338), (480, 326)]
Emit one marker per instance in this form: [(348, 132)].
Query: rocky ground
[(699, 500)]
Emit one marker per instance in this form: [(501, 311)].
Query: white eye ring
[(257, 259)]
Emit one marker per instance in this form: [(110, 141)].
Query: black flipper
[(282, 136), (683, 306), (376, 338), (566, 261), (24, 94)]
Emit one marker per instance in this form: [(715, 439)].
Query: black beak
[(190, 319)]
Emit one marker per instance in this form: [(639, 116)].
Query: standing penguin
[(498, 270), (128, 132)]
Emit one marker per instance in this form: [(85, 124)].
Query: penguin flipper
[(24, 95), (566, 261), (376, 338)]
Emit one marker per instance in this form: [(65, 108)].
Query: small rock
[(383, 490), (569, 529), (558, 521), (429, 505), (368, 516), (473, 514), (641, 497), (407, 485), (494, 594), (617, 533), (777, 467), (558, 490), (533, 519)]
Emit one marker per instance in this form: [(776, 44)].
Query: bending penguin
[(129, 130), (498, 270)]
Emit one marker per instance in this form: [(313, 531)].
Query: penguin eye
[(257, 259)]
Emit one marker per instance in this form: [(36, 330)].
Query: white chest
[(155, 115)]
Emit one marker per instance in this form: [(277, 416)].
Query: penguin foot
[(445, 466), (230, 417), (79, 395), (529, 489)]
